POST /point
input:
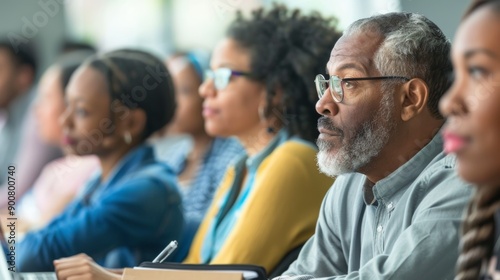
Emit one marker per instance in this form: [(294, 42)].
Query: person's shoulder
[(442, 169), (225, 150), (440, 183), (293, 155), (226, 142), (151, 182), (151, 174), (442, 161), (297, 160)]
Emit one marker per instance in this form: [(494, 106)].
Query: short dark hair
[(68, 46), (126, 72), (287, 51), (23, 54), (414, 47)]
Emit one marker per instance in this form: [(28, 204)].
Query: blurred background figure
[(61, 179), (17, 76), (131, 208), (40, 147), (199, 160)]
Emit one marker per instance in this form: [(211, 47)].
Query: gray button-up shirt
[(411, 231)]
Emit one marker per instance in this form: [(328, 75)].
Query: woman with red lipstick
[(473, 134), (131, 208)]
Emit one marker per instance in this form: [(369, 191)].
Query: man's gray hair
[(413, 47)]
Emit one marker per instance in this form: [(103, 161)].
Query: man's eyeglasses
[(337, 84), (222, 76)]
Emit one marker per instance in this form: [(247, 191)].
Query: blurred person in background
[(37, 150), (61, 179), (17, 75), (131, 208), (199, 160), (260, 90)]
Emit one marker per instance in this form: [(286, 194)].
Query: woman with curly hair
[(473, 134), (260, 90)]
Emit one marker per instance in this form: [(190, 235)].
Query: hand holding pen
[(166, 252)]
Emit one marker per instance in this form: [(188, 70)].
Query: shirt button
[(390, 206), (379, 228)]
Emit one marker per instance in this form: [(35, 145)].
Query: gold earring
[(127, 137)]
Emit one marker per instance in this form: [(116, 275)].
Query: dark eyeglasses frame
[(210, 74)]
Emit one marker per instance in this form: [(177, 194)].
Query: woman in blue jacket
[(132, 208)]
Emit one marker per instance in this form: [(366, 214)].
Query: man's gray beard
[(366, 143)]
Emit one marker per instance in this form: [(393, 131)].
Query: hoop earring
[(127, 137)]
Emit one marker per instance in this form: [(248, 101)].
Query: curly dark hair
[(138, 79), (287, 51)]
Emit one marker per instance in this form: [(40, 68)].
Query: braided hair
[(478, 232), (287, 50), (478, 229)]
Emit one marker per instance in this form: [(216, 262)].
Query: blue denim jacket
[(121, 222)]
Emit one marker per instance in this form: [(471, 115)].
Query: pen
[(166, 252)]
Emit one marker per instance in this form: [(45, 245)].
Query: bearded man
[(395, 209)]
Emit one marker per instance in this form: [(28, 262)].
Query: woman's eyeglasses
[(222, 76)]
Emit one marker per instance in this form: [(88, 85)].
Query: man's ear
[(135, 123), (414, 98)]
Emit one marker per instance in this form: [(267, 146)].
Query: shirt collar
[(408, 172)]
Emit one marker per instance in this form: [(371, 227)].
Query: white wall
[(38, 21), (445, 13)]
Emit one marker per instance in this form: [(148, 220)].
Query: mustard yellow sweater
[(279, 214)]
